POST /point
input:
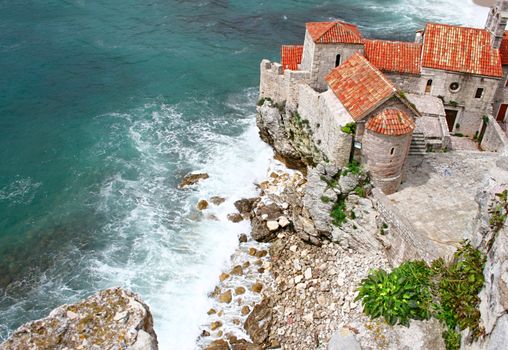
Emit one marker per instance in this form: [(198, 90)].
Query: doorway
[(502, 112), (451, 116)]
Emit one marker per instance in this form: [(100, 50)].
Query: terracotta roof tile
[(460, 49), (334, 32), (291, 56), (359, 86), (503, 50), (393, 56), (391, 122)]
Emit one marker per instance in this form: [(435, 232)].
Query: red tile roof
[(394, 56), (503, 50), (291, 56), (460, 49), (334, 32), (391, 122), (359, 86)]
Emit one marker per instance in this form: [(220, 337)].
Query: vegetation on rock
[(415, 290), (349, 128)]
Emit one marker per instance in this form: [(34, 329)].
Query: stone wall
[(502, 92), (409, 83), (403, 242), (494, 139), (470, 109), (325, 115), (280, 85)]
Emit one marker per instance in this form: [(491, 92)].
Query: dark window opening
[(454, 86), (428, 87), (337, 60), (392, 150), (479, 93)]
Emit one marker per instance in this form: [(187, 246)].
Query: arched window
[(428, 87), (337, 60)]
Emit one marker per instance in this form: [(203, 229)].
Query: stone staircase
[(418, 145)]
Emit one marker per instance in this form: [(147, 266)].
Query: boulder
[(235, 217), (219, 344), (202, 204), (242, 238), (216, 200), (269, 212), (260, 231), (343, 339), (244, 206), (226, 297), (348, 182), (259, 322), (111, 319), (192, 179)]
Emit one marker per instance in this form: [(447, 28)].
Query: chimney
[(496, 22)]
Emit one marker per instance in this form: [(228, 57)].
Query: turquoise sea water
[(105, 105)]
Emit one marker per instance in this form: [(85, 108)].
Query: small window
[(479, 93), (454, 86), (391, 151), (337, 60), (429, 86)]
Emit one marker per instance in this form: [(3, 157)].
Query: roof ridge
[(331, 25), (378, 72), (393, 41)]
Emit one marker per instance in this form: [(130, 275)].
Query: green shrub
[(349, 128), (446, 291), (457, 126), (338, 212), (451, 339), (360, 191), (353, 167), (262, 100), (499, 211), (398, 296), (325, 199)]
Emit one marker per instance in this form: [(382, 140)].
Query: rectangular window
[(479, 93)]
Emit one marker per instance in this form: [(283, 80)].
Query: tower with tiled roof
[(496, 22), (327, 45)]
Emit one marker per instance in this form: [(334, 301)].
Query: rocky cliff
[(111, 319)]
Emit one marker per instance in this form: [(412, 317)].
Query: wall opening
[(479, 93), (428, 87), (337, 60), (392, 150)]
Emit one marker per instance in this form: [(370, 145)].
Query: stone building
[(457, 75)]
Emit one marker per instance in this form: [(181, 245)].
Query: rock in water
[(191, 179), (202, 205), (259, 322), (111, 319), (244, 206)]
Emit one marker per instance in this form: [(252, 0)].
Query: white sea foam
[(159, 250)]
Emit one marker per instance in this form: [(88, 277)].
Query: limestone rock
[(242, 238), (192, 179), (343, 339), (244, 206), (226, 297), (257, 287), (283, 221), (239, 290), (260, 231), (259, 322), (215, 325), (348, 182), (219, 344), (216, 200), (272, 225), (111, 319), (235, 217), (202, 204)]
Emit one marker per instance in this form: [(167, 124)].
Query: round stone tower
[(385, 146)]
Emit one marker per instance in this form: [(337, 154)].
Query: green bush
[(325, 199), (360, 191), (349, 128), (262, 100), (338, 212), (353, 167), (398, 296), (499, 212), (446, 291)]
